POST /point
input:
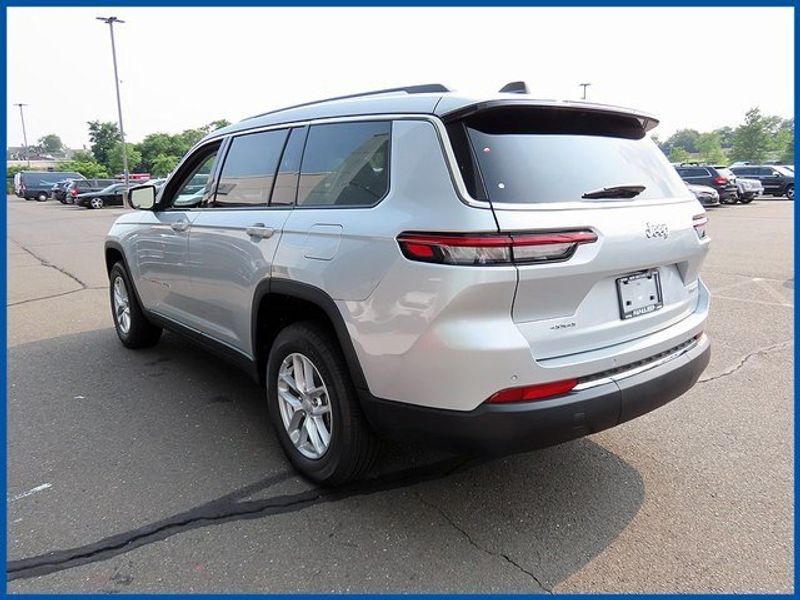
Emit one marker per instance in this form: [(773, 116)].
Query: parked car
[(707, 196), (427, 265), (86, 186), (719, 178), (748, 189), (36, 185), (112, 195), (777, 180), (59, 190)]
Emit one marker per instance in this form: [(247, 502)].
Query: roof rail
[(425, 88)]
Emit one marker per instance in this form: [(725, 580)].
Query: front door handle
[(258, 230), (180, 226)]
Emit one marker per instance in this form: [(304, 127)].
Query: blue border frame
[(366, 3)]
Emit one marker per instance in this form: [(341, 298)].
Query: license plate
[(639, 294)]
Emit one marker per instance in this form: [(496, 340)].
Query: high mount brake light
[(492, 248)]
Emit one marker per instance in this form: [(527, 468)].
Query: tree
[(82, 156), (710, 148), (678, 155), (783, 144), (683, 138), (751, 140), (725, 136), (91, 169), (51, 144), (103, 136), (115, 163), (163, 165)]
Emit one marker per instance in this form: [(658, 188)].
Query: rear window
[(725, 172), (532, 156)]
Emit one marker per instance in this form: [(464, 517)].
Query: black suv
[(721, 179), (83, 186), (777, 181)]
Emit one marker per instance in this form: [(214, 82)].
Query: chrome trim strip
[(636, 370)]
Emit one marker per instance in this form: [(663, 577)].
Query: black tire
[(790, 192), (141, 332), (42, 197), (746, 200), (353, 446)]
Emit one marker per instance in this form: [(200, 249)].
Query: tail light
[(73, 191), (700, 222), (721, 180), (493, 249), (533, 392)]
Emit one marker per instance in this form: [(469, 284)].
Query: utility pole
[(24, 133), (110, 21), (584, 86)]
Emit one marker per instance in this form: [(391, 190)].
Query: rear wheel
[(133, 328), (746, 199), (41, 197), (314, 408)]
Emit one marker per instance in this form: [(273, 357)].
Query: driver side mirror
[(142, 197)]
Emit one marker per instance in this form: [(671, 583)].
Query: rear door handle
[(180, 226), (258, 230)]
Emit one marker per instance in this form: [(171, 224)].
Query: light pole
[(24, 133), (584, 86), (111, 21)]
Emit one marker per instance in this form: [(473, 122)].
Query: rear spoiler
[(647, 121)]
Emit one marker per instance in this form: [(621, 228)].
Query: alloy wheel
[(305, 406), (122, 306)]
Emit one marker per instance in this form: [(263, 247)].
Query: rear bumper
[(505, 429), (727, 193)]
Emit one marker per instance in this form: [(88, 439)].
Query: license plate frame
[(639, 294)]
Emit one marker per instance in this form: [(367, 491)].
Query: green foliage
[(115, 162), (751, 140), (678, 154), (83, 156), (683, 138), (725, 136), (710, 148), (104, 136), (51, 144), (172, 145), (90, 169), (784, 141), (13, 170), (163, 164)]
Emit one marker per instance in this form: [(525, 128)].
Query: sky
[(181, 68)]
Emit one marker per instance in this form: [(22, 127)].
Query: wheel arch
[(279, 302)]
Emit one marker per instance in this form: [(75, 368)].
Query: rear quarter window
[(345, 164)]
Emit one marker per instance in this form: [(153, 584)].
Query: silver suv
[(488, 274)]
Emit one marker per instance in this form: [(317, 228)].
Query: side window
[(285, 188), (249, 168), (190, 187), (345, 164), (765, 171)]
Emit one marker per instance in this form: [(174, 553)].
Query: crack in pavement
[(226, 509), (47, 263), (480, 548), (745, 359), (55, 295)]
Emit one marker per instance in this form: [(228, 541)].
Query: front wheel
[(41, 197), (133, 328), (790, 192), (314, 408), (95, 203)]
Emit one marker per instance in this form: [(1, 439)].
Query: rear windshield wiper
[(615, 191)]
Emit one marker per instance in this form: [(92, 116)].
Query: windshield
[(564, 158)]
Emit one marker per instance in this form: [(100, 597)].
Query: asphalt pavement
[(158, 470)]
